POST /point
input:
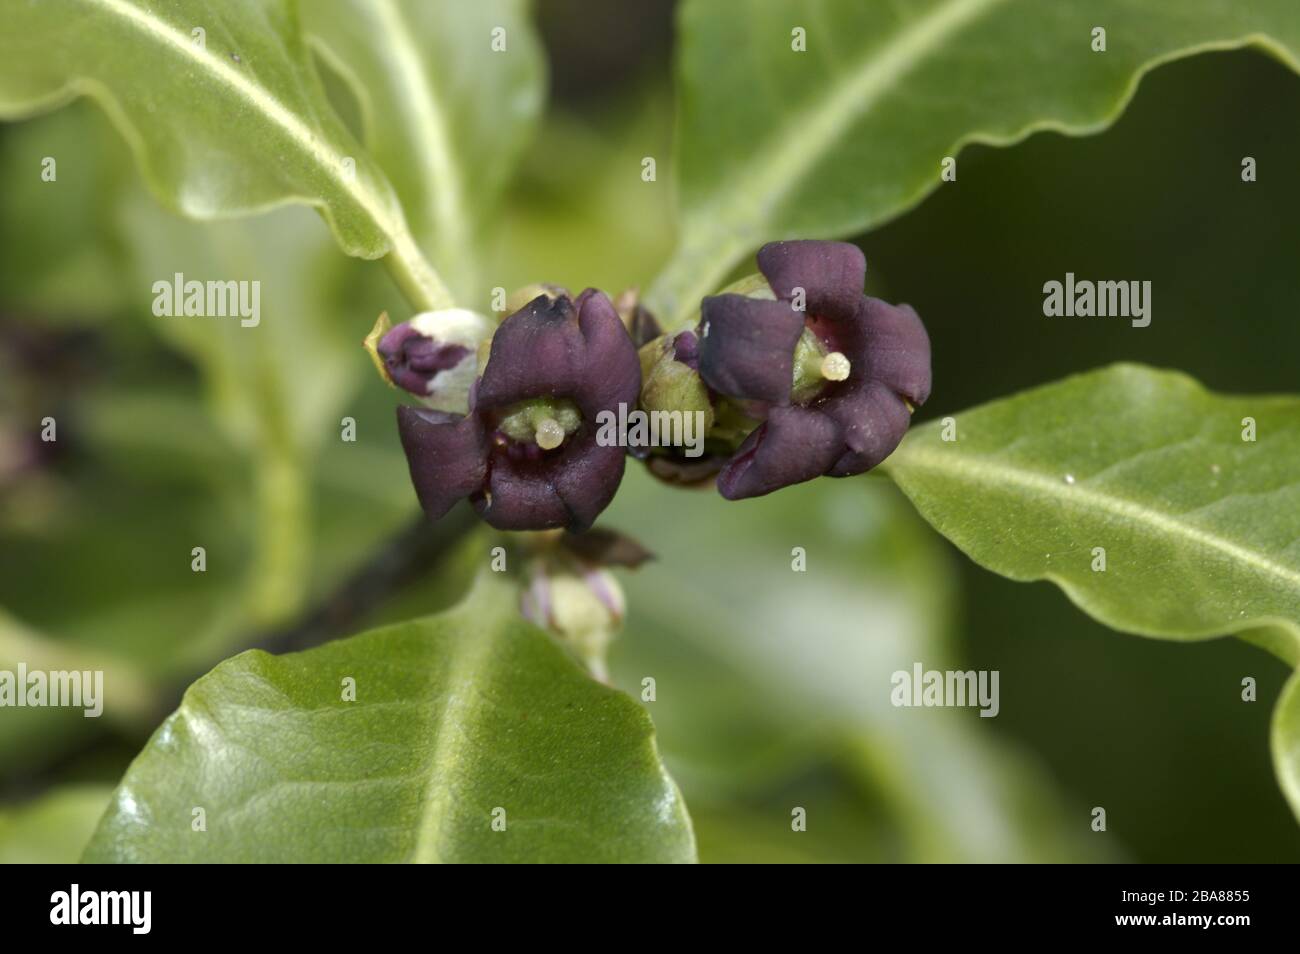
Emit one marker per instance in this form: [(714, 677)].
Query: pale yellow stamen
[(835, 367), (549, 434)]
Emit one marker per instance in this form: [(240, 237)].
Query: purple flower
[(834, 383), (433, 356), (526, 455)]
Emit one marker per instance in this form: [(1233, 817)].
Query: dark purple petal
[(890, 354), (567, 488), (558, 349), (794, 444), (746, 347), (519, 499), (897, 348), (536, 352), (412, 359), (830, 273), (686, 349), (590, 478), (613, 371), (447, 456), (872, 420), (550, 348)]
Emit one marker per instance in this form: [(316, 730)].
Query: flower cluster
[(794, 374)]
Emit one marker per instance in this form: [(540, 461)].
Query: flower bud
[(582, 605), (669, 379), (433, 356)]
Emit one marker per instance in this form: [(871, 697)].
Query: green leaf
[(613, 229), (222, 107), (1199, 526), (57, 261), (830, 142), (276, 388), (455, 716), (1286, 742), (52, 829), (446, 116)]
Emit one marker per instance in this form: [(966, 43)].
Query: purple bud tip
[(414, 359)]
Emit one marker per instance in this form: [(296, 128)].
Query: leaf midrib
[(799, 143), (262, 102), (802, 139), (463, 673), (985, 471)]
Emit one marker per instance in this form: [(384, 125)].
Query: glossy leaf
[(448, 102), (1199, 526), (221, 104), (1286, 742), (826, 143), (1137, 492), (457, 717)]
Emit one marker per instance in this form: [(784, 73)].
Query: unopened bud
[(582, 605), (670, 380), (432, 356)]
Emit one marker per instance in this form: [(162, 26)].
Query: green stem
[(280, 566), (416, 276)]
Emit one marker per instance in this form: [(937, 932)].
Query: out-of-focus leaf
[(764, 673), (1199, 526), (455, 716), (53, 829), (277, 387), (222, 106), (122, 682), (1285, 742), (776, 143), (445, 114), (841, 827), (262, 478), (115, 531), (30, 736), (590, 219), (56, 258)]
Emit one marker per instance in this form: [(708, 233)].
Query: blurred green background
[(772, 687)]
